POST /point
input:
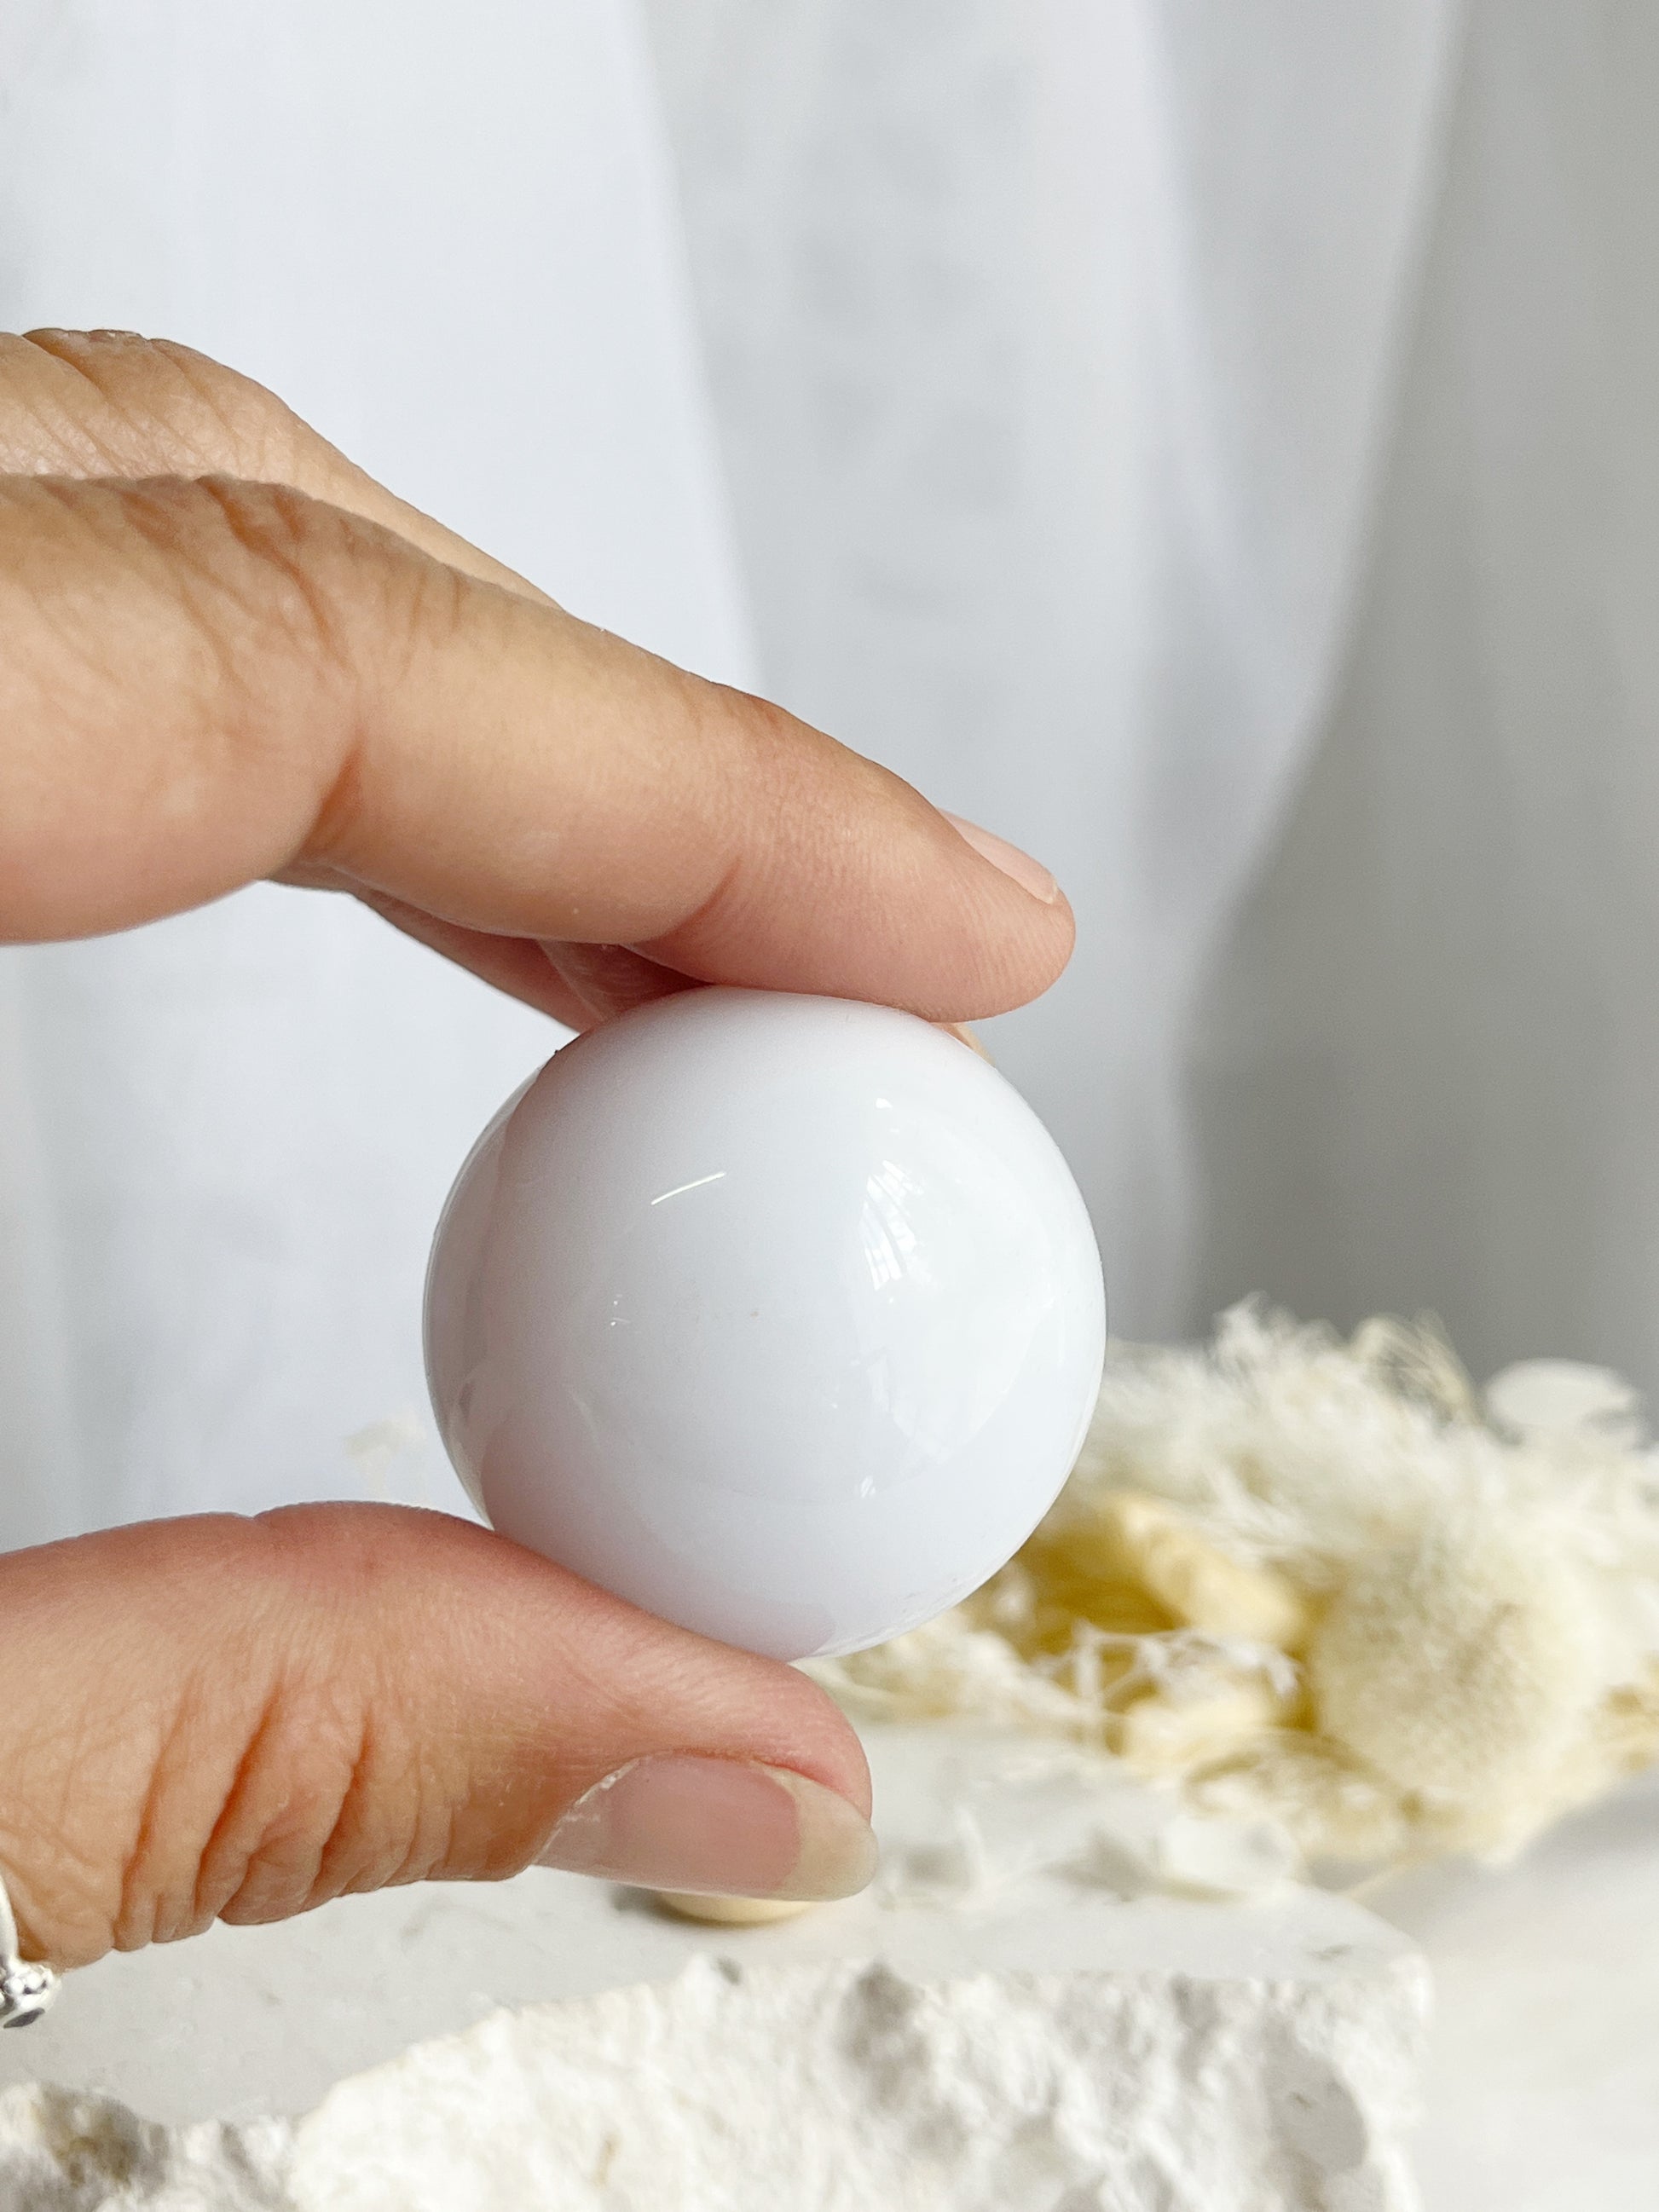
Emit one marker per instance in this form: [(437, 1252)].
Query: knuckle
[(356, 594), (260, 1758), (232, 623), (279, 558), (267, 579), (326, 1787)]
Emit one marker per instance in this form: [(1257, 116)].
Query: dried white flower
[(1330, 1583)]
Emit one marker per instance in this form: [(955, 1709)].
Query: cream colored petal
[(1163, 1735), (732, 1911), (1199, 1585)]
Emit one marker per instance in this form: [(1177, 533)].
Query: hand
[(225, 654)]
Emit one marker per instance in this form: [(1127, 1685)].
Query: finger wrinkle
[(138, 384), (363, 1849), (51, 380), (160, 1873), (224, 395), (279, 528), (244, 1827), (395, 1815)]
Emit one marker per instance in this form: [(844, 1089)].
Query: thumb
[(217, 1718)]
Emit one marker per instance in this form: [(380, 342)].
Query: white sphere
[(779, 1316)]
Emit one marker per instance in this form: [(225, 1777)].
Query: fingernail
[(721, 1827), (1030, 875)]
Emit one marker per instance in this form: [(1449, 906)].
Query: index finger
[(206, 682)]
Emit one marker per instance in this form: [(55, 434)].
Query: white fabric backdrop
[(1215, 441), (1054, 345), (1212, 441), (447, 238)]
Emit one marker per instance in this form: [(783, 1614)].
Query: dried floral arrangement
[(1330, 1583)]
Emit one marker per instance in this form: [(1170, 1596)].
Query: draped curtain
[(1212, 441), (448, 237), (1215, 440)]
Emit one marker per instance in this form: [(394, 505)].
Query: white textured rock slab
[(838, 2089), (1023, 2038)]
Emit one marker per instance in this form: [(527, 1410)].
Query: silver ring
[(27, 1988)]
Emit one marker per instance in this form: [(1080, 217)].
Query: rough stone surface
[(1009, 2023), (835, 2088)]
